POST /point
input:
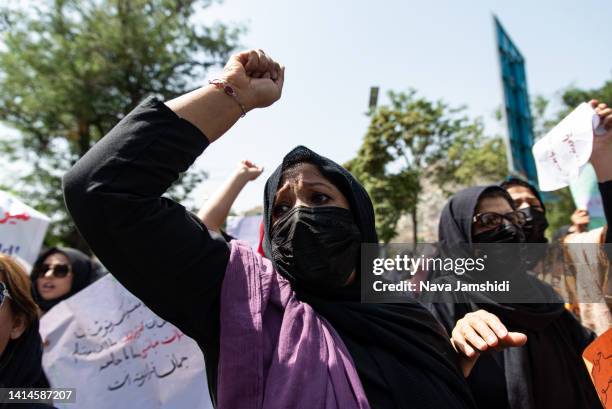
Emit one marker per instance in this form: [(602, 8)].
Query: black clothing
[(84, 272), (157, 249), (605, 189), (167, 258), (547, 372), (402, 355), (21, 365)]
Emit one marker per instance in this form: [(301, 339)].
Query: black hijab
[(84, 272), (548, 371), (512, 181), (402, 354)]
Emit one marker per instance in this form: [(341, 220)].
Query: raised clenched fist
[(258, 79)]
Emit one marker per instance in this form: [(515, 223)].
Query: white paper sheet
[(561, 154), (22, 230), (118, 354)]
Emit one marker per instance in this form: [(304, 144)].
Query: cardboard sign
[(117, 353), (585, 193), (22, 230), (598, 359)]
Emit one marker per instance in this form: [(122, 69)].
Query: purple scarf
[(276, 351)]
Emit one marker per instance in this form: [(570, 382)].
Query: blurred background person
[(573, 266), (61, 272), (546, 370), (20, 343)]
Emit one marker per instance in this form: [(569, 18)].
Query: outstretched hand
[(481, 331), (258, 78)]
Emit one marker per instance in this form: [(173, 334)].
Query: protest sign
[(561, 154), (245, 228), (22, 230), (117, 353), (598, 359), (585, 193)]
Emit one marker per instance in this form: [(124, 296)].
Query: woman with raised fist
[(283, 331)]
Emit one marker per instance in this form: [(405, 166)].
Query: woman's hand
[(580, 221), (480, 331), (257, 77), (248, 171)]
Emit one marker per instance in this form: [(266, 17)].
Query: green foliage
[(71, 69), (472, 158), (559, 208), (573, 96), (413, 139)]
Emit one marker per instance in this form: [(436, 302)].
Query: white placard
[(245, 228), (22, 230), (561, 154), (117, 353)]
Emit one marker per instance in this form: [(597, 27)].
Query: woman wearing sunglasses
[(20, 343), (545, 370), (59, 273)]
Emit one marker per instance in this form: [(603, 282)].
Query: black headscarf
[(84, 272), (512, 181), (548, 371), (402, 354)]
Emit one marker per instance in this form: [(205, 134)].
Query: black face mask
[(501, 259), (506, 233), (535, 225), (316, 247)]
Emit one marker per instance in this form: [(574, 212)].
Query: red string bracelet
[(229, 90)]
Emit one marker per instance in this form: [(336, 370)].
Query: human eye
[(319, 199), (280, 209)]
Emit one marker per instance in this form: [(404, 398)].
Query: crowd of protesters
[(284, 326)]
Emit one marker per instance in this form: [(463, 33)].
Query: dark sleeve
[(155, 247), (605, 189), (580, 335)]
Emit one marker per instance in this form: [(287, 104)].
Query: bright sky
[(335, 50)]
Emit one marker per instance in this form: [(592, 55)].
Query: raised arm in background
[(214, 212)]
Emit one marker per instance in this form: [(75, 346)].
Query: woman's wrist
[(241, 176)]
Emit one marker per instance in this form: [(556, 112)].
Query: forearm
[(602, 163), (214, 212), (114, 195), (209, 109)]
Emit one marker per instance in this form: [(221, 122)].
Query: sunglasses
[(492, 219), (3, 293), (58, 270)]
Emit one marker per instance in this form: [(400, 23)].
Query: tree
[(410, 140), (71, 69)]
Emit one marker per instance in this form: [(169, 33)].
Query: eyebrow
[(312, 184)]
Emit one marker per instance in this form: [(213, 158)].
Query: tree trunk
[(415, 229)]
